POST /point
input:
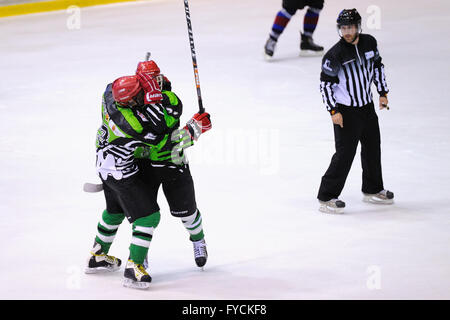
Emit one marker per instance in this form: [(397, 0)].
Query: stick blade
[(92, 187)]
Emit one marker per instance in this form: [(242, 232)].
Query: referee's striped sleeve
[(329, 100), (379, 76)]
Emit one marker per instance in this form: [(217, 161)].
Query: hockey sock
[(142, 236), (193, 225), (107, 229), (281, 20), (310, 21)]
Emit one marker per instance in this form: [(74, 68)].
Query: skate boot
[(382, 197), (332, 206), (100, 262), (269, 48), (136, 276), (308, 47), (200, 253)]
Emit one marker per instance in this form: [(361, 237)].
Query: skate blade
[(267, 57), (376, 200), (310, 53), (332, 210), (100, 270), (92, 187), (135, 285)]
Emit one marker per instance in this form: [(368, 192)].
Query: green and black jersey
[(127, 133)]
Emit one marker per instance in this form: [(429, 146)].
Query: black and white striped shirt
[(348, 72)]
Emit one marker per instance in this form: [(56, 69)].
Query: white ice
[(256, 172)]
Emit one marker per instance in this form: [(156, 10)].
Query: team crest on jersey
[(115, 129), (102, 135)]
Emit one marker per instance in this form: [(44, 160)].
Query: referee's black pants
[(360, 125)]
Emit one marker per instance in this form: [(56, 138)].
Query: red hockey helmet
[(125, 89), (149, 67)]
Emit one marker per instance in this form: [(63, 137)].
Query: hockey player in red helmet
[(149, 69), (127, 91), (140, 121), (176, 180), (121, 133)]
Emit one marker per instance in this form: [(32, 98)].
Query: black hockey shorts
[(292, 6), (131, 196), (177, 185)]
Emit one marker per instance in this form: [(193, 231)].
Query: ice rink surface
[(256, 172)]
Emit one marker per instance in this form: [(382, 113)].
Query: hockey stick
[(92, 187), (194, 58)]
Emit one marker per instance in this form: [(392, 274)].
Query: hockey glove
[(198, 124), (151, 88)]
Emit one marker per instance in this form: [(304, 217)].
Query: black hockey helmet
[(349, 17)]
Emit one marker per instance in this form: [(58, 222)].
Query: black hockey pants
[(360, 125)]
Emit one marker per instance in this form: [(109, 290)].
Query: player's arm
[(379, 78), (328, 81)]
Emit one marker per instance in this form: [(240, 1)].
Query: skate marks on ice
[(246, 279), (293, 56)]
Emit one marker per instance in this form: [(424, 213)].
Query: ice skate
[(332, 206), (308, 47), (101, 262), (382, 197), (146, 263), (269, 48), (136, 276), (200, 253)]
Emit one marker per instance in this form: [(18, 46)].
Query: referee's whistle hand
[(383, 102), (337, 119)]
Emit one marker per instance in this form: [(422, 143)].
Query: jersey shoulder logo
[(327, 65)]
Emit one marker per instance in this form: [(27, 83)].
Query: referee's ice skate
[(332, 206), (382, 197)]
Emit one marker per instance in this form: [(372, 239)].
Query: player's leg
[(289, 7), (152, 181), (136, 275), (107, 227), (193, 225), (333, 181), (372, 179), (180, 194), (142, 211), (310, 21)]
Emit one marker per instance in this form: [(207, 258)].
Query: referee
[(348, 70)]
